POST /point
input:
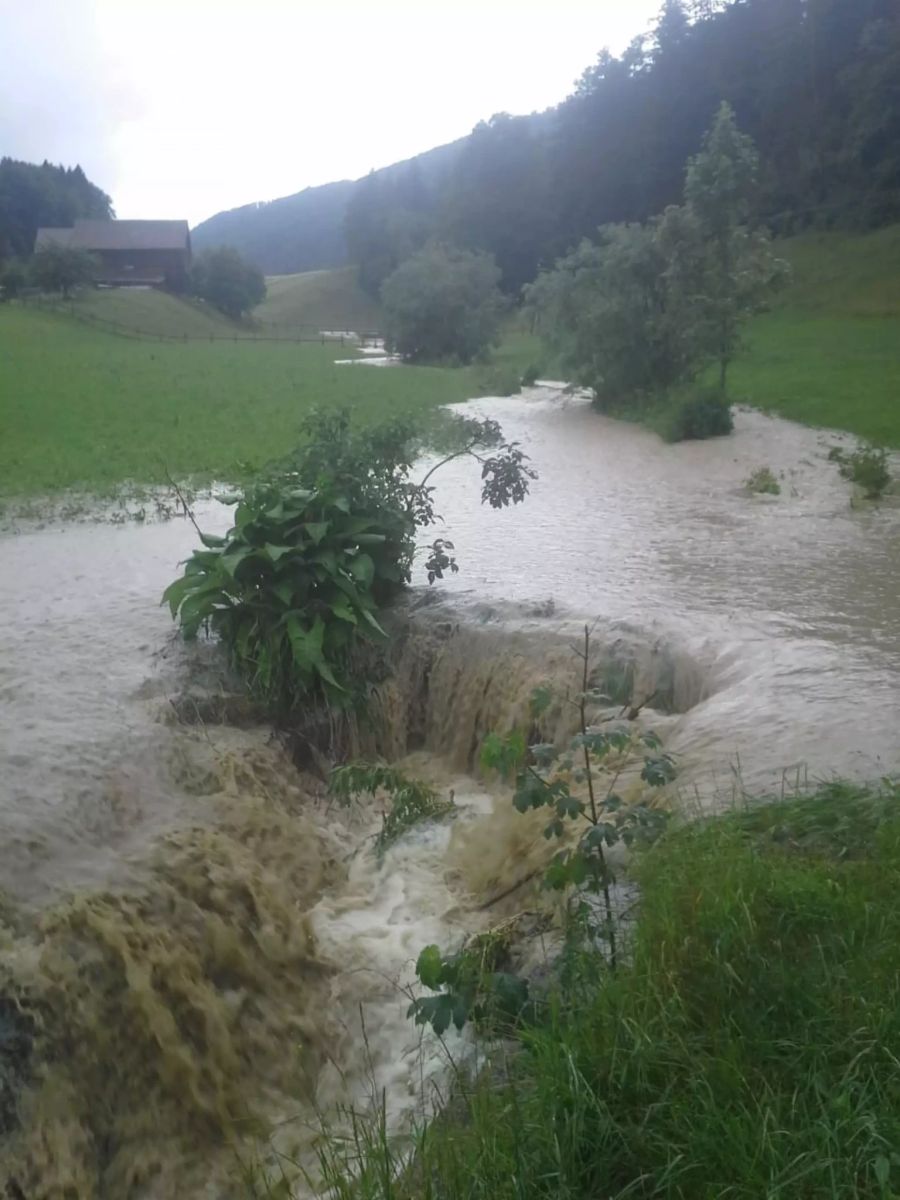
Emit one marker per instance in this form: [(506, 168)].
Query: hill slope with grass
[(147, 310), (828, 353), (321, 300)]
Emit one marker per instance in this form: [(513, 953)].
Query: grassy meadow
[(323, 299), (87, 410), (828, 353), (154, 312)]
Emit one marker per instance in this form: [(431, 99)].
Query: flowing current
[(198, 947)]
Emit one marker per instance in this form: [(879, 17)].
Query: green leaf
[(175, 593), (503, 754), (544, 753), (317, 530), (659, 771), (460, 1012), (541, 699), (343, 611), (370, 618), (211, 541), (429, 967), (362, 568), (882, 1167), (234, 558), (306, 644), (370, 539), (327, 674), (278, 552)]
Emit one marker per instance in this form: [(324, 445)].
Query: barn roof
[(89, 234)]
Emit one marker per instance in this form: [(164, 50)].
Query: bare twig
[(467, 450), (509, 891), (184, 504)]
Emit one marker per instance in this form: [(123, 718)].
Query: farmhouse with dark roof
[(154, 253)]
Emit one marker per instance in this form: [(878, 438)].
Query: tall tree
[(33, 195)]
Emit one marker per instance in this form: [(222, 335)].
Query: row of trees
[(813, 82), (221, 276), (635, 313)]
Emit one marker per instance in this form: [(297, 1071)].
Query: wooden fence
[(267, 333)]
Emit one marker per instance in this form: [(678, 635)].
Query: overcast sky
[(180, 108)]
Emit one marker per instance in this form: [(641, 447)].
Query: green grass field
[(322, 299), (829, 351), (154, 312), (87, 410)]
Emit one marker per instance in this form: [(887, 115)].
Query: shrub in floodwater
[(499, 381), (318, 546), (763, 482), (867, 467), (576, 784), (705, 415), (531, 375), (412, 801), (441, 303)]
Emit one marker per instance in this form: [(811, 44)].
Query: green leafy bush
[(705, 415), (412, 801), (289, 589), (318, 547), (763, 482), (867, 467), (578, 783), (499, 381), (471, 985)]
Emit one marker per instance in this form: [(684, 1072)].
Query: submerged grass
[(750, 1048), (85, 409)]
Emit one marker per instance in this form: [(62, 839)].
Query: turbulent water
[(199, 947)]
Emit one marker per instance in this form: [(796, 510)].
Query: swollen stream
[(202, 945)]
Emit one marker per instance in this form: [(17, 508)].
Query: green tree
[(227, 281), (442, 304), (13, 277), (58, 268), (33, 195), (644, 308), (739, 268), (605, 310)]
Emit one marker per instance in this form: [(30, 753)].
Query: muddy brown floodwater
[(199, 947)]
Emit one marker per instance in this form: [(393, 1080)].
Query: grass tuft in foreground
[(750, 1047)]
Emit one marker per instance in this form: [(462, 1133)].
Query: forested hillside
[(32, 196), (308, 231), (296, 233), (814, 82)]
